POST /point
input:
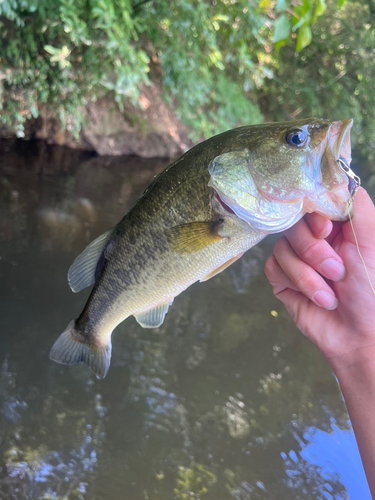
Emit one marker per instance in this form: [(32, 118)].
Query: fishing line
[(354, 183), (359, 252)]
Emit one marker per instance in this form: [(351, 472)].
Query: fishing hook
[(354, 180)]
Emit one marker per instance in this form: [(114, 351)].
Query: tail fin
[(71, 348)]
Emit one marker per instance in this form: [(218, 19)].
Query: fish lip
[(340, 152), (339, 139), (333, 191)]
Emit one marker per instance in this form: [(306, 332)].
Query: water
[(227, 400)]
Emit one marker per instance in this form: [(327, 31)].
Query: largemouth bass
[(198, 217)]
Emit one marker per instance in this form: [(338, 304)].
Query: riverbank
[(150, 130)]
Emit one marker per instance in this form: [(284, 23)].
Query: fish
[(199, 216)]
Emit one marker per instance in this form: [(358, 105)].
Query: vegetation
[(221, 62), (332, 77)]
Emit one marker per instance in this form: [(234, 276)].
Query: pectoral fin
[(222, 267), (81, 273), (154, 317), (195, 236)]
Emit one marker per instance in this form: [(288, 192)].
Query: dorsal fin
[(81, 273), (154, 317)]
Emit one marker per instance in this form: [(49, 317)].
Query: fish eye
[(296, 138)]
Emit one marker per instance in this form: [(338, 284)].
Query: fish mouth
[(338, 179), (339, 140)]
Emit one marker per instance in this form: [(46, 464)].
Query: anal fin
[(222, 267), (153, 318)]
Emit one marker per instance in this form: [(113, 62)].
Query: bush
[(66, 52), (221, 62)]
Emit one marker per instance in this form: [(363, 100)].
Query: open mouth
[(339, 141)]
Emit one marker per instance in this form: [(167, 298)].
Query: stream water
[(227, 400)]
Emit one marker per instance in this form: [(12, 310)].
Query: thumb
[(363, 219)]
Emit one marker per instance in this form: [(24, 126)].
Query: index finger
[(315, 251), (322, 227), (319, 225)]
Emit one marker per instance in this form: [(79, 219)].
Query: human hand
[(317, 273)]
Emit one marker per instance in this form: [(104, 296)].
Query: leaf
[(282, 29), (304, 37), (279, 44), (50, 49), (34, 111), (143, 57), (304, 19), (341, 3), (33, 5), (222, 17), (281, 5), (320, 8), (265, 4), (64, 52)]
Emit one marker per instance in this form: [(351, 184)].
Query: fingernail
[(325, 299), (333, 269)]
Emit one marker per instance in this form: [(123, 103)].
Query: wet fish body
[(196, 218)]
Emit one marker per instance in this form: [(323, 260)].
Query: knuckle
[(313, 223), (270, 266), (305, 279), (278, 291), (281, 245), (309, 250), (299, 318)]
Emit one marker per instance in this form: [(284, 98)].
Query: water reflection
[(328, 465), (50, 452), (225, 400)]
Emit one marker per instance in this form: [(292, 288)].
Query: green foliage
[(220, 62), (297, 17), (333, 76), (207, 51), (282, 29), (65, 53)]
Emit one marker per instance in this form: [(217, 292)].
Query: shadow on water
[(225, 400)]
